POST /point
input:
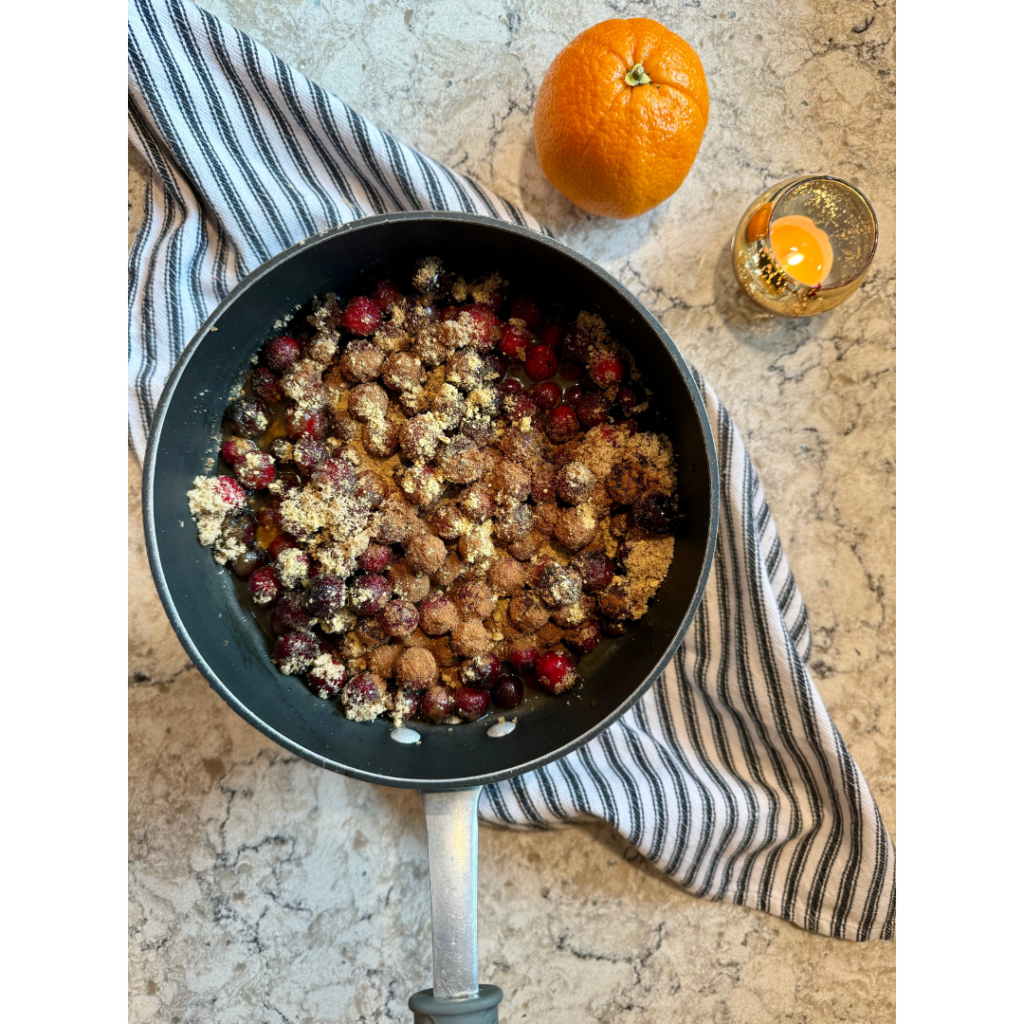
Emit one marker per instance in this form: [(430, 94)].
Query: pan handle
[(452, 846)]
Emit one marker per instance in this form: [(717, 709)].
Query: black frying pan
[(229, 647)]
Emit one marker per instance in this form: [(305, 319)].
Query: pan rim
[(152, 541)]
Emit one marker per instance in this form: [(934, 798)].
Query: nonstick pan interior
[(221, 634)]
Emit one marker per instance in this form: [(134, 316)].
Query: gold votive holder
[(834, 207)]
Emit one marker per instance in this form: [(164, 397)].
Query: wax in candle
[(802, 248)]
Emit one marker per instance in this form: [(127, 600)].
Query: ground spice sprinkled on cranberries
[(419, 488)]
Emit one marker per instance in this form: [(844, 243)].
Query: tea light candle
[(802, 248)]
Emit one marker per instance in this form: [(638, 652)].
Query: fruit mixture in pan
[(436, 497)]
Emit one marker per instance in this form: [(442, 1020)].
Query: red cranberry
[(281, 543), (369, 490), (288, 480), (230, 491), (250, 417), (404, 704), (541, 362), (239, 528), (516, 407), (480, 671), (562, 425), (281, 352), (574, 395), (626, 397), (570, 370), (510, 386), (596, 570), (593, 409), (523, 658), (437, 704), (399, 618), (364, 693), (508, 692), (256, 471), (584, 638), (631, 426), (576, 343), (248, 562), (516, 342), (548, 394), (263, 585), (327, 687), (553, 333), (525, 307), (290, 612), (375, 558), (608, 371), (265, 384), (385, 295), (654, 513), (471, 703), (368, 594), (485, 326), (269, 515), (295, 652), (361, 316), (300, 422), (495, 366), (308, 453), (234, 449), (325, 596), (556, 671), (334, 475)]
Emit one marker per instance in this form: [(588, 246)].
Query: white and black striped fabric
[(729, 774)]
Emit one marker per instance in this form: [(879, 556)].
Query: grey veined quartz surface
[(266, 890)]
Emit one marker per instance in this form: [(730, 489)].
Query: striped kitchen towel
[(729, 774)]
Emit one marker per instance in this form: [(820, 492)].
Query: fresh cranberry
[(375, 558), (525, 307), (250, 417), (518, 406), (300, 422), (369, 490), (235, 449), (574, 395), (556, 671), (596, 570), (308, 453), (365, 690), (290, 612), (516, 342), (523, 659), (570, 370), (334, 475), (249, 561), (404, 704), (239, 528), (654, 513), (437, 704), (608, 371), (368, 594), (548, 394), (325, 596), (361, 316), (231, 492), (288, 480), (265, 384), (495, 366), (562, 425), (510, 386), (481, 671), (295, 651), (486, 328), (280, 543), (269, 515), (593, 409), (576, 343), (631, 426), (508, 692), (471, 703), (553, 333), (263, 585), (327, 687), (626, 397), (256, 471), (541, 362), (281, 352), (399, 618), (385, 295), (584, 637)]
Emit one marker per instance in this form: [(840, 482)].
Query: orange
[(620, 116)]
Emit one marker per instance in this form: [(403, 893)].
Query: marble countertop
[(263, 889)]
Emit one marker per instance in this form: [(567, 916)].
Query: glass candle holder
[(804, 245)]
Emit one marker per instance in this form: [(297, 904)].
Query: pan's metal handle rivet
[(404, 735), (500, 729)]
